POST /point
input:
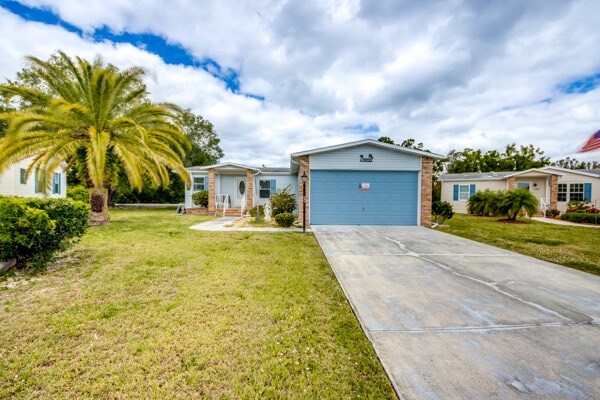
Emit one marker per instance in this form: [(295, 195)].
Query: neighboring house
[(13, 182), (553, 187), (364, 183)]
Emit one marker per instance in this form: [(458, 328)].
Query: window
[(523, 185), (198, 184), (562, 192), (266, 188), (56, 183), (576, 192), (463, 192), (37, 183), (23, 180)]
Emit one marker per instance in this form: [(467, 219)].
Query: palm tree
[(94, 109), (516, 200)]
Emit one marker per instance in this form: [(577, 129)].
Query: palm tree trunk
[(98, 202)]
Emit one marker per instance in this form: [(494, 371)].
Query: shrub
[(575, 205), (285, 219), (552, 213), (32, 231), (283, 201), (252, 211), (441, 211), (485, 203), (200, 198), (79, 193), (581, 218), (517, 200)]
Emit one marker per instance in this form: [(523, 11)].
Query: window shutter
[(36, 183), (273, 186), (471, 190), (455, 196), (587, 192)]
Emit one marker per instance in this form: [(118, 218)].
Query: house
[(362, 183), (13, 182), (554, 187)]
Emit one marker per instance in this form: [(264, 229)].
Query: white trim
[(574, 171), (226, 164), (369, 142), (419, 204), (531, 170)]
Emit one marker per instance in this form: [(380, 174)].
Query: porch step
[(230, 212)]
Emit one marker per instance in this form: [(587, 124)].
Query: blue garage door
[(363, 197)]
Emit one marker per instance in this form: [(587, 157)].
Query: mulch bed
[(511, 221)]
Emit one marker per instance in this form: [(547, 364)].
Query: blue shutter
[(587, 192), (455, 196), (471, 190), (36, 182), (273, 187)]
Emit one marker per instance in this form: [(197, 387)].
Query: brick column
[(304, 166), (211, 191), (249, 188), (512, 182), (426, 190), (554, 192)]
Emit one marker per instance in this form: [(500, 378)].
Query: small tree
[(283, 201), (441, 211), (485, 202), (517, 200)]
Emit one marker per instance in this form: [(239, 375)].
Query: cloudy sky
[(277, 77)]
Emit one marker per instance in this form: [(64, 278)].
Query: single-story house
[(13, 182), (364, 183), (554, 187)]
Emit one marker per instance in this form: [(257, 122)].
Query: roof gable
[(371, 142)]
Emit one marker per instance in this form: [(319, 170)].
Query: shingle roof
[(592, 171), (274, 169), (476, 176)]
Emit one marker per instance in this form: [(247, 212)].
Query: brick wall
[(211, 191), (304, 166), (426, 188), (512, 182), (249, 188)]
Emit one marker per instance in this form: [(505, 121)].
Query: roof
[(233, 166), (275, 170), (493, 176), (595, 173), (371, 142), (592, 171)]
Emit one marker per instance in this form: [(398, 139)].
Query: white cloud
[(451, 74)]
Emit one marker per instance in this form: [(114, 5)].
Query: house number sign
[(366, 159), (364, 186)]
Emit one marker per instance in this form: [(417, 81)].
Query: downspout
[(254, 187)]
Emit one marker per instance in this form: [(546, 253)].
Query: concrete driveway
[(455, 319)]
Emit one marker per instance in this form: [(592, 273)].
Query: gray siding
[(349, 159), (282, 182)]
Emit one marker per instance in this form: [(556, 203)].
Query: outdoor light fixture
[(304, 179)]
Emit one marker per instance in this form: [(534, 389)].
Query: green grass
[(571, 246), (147, 308)]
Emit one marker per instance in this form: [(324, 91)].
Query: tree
[(205, 148), (572, 163), (516, 200), (512, 159), (98, 111)]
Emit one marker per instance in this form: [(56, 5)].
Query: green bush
[(252, 211), (579, 217), (552, 213), (32, 231), (285, 219), (200, 198), (441, 211), (283, 201), (485, 203), (517, 200), (79, 193)]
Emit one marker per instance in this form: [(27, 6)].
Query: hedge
[(581, 218), (285, 219), (32, 231)]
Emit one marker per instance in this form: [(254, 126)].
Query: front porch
[(543, 184), (230, 189)]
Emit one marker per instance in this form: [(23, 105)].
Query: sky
[(277, 77)]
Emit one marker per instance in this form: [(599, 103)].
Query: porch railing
[(544, 206), (222, 202), (243, 205)]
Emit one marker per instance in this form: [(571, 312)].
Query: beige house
[(554, 187)]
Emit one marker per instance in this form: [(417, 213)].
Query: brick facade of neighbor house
[(211, 191), (554, 192), (426, 190), (511, 182), (304, 166), (249, 188)]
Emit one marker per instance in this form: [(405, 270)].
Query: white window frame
[(262, 189), (572, 192), (565, 192), (56, 183), (460, 192), (199, 186)]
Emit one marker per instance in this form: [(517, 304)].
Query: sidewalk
[(224, 225), (561, 222)]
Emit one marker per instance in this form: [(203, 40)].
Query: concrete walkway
[(451, 318), (224, 225), (561, 222)]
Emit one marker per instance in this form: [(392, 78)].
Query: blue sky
[(277, 77)]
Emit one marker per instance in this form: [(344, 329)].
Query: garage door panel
[(391, 199)]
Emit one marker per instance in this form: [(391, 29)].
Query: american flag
[(593, 143)]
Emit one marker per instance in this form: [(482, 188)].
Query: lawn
[(574, 247), (147, 308)]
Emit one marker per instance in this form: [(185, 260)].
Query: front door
[(240, 191)]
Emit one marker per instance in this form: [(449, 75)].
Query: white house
[(364, 183), (13, 182), (554, 187)]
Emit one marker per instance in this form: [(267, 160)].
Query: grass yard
[(574, 247), (147, 308)]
